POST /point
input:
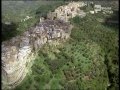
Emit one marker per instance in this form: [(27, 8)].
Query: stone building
[(66, 12), (97, 8), (107, 10)]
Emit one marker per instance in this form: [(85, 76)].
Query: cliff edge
[(20, 51)]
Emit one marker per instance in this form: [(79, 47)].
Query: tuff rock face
[(19, 52)]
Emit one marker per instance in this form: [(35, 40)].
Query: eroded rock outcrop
[(19, 52)]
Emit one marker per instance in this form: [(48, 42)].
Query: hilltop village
[(73, 9), (19, 52)]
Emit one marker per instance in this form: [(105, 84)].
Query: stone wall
[(20, 51)]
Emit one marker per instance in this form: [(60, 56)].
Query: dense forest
[(87, 61)]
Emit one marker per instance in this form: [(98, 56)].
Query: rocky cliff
[(19, 52)]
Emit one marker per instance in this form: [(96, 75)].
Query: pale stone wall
[(20, 51), (27, 17)]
